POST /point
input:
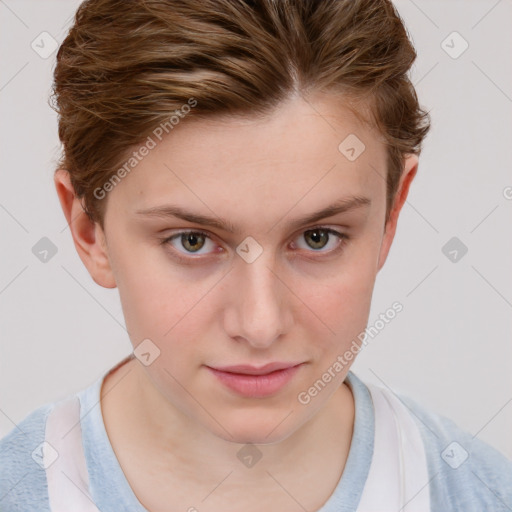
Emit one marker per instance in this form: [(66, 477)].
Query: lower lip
[(256, 386)]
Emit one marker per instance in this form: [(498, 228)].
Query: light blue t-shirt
[(482, 483)]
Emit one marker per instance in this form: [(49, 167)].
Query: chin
[(256, 427)]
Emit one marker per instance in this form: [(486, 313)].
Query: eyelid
[(178, 255), (342, 237), (168, 238)]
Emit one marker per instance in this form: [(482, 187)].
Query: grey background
[(450, 348)]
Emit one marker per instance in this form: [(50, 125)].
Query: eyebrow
[(343, 205)]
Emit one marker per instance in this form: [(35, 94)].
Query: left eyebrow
[(343, 205)]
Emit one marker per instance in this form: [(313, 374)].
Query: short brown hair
[(126, 66)]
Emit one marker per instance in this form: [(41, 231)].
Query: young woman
[(236, 169)]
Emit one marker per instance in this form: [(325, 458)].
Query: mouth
[(247, 369), (256, 382)]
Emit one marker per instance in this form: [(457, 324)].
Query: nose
[(259, 312)]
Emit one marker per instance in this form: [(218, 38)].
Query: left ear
[(410, 169)]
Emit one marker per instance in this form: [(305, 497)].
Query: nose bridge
[(259, 301)]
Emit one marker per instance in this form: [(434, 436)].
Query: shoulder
[(466, 473), (22, 477)]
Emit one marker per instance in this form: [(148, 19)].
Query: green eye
[(189, 242), (319, 238), (192, 241), (186, 244)]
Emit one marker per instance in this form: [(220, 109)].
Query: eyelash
[(343, 238)]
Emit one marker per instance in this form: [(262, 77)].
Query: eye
[(191, 241), (319, 238), (186, 244)]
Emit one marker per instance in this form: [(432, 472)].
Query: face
[(262, 282)]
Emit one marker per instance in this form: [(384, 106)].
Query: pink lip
[(256, 382), (248, 369)]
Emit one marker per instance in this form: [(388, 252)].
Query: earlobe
[(409, 172), (88, 236)]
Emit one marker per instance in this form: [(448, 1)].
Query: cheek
[(341, 304), (171, 306), (157, 300), (343, 307)]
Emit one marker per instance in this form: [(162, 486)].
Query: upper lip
[(248, 369)]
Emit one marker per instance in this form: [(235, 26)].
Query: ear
[(88, 236), (410, 169)]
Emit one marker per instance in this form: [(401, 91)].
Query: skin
[(174, 427)]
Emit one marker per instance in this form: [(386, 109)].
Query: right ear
[(88, 236)]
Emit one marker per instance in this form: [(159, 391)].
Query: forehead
[(304, 154)]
